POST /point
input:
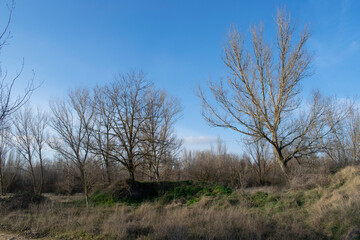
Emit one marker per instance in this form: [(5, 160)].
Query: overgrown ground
[(188, 210)]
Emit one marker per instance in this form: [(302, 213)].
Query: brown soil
[(7, 236), (14, 236)]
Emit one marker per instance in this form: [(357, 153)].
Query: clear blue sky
[(177, 43)]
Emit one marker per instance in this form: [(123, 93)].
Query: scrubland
[(327, 209)]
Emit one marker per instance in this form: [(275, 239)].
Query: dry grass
[(125, 222), (63, 198), (339, 207), (325, 212), (200, 221)]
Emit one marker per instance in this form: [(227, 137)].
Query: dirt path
[(14, 236), (7, 236)]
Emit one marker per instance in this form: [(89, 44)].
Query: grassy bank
[(190, 210)]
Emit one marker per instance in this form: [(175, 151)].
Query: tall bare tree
[(38, 128), (8, 103), (29, 140), (261, 98), (4, 149), (160, 143), (134, 124), (24, 142), (125, 105), (73, 120), (103, 136)]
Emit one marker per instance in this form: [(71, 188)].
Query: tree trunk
[(68, 184), (108, 175), (86, 195), (132, 176), (1, 180), (106, 159), (157, 172), (1, 183), (33, 177), (83, 176), (281, 161), (41, 184)]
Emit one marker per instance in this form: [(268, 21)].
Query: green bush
[(101, 198), (191, 193), (261, 199), (187, 192)]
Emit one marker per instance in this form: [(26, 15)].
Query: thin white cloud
[(354, 46), (346, 5), (199, 140), (331, 55)]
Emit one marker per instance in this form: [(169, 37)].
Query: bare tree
[(342, 145), (29, 140), (354, 133), (160, 144), (134, 125), (9, 104), (103, 136), (125, 105), (261, 98), (39, 124), (24, 142), (4, 149), (259, 158), (216, 165), (11, 172), (66, 174), (73, 120)]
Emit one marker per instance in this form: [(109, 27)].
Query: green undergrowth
[(282, 201), (191, 193), (186, 192)]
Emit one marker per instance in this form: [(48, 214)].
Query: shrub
[(21, 200)]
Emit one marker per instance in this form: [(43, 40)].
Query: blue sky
[(177, 43)]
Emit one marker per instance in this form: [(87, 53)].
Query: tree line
[(127, 122)]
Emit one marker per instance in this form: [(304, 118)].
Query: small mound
[(339, 207), (349, 177), (133, 190), (119, 189), (22, 200)]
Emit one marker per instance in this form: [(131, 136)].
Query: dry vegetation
[(331, 211)]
